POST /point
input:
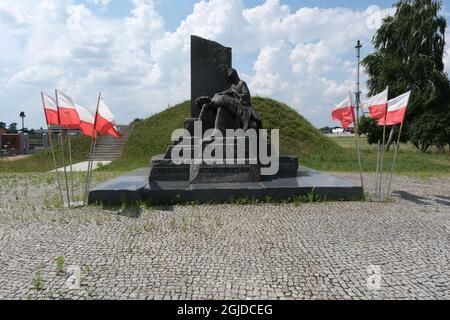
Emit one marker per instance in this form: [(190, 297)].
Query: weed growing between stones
[(59, 264), (37, 281)]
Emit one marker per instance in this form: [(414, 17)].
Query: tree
[(325, 130), (370, 128), (374, 132), (409, 56), (431, 129), (12, 128), (3, 125), (135, 121), (22, 115)]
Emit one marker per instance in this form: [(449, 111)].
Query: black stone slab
[(129, 187), (135, 186), (209, 64), (162, 169), (225, 173), (288, 168), (232, 146)]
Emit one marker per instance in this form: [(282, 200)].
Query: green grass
[(297, 137), (42, 161), (410, 161)]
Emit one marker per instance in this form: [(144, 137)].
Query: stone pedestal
[(162, 169)]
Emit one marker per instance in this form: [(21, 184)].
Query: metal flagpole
[(87, 173), (383, 150), (393, 162), (86, 191), (378, 166), (92, 149), (70, 164), (357, 145), (92, 168), (53, 151), (358, 105), (62, 151)]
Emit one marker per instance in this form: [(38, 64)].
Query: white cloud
[(101, 3), (303, 57)]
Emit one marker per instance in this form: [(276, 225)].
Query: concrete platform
[(135, 186), (83, 166)]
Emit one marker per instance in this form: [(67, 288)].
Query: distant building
[(325, 130), (40, 131), (337, 130)]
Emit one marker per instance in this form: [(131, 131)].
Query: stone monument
[(220, 101)]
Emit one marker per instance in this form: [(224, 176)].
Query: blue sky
[(136, 52)]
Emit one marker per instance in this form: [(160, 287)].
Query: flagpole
[(53, 151), (378, 166), (87, 173), (357, 145), (358, 105), (383, 150), (62, 150), (92, 169), (393, 161), (86, 191), (92, 149), (70, 163)]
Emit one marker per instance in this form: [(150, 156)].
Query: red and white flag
[(86, 121), (113, 132), (68, 115), (343, 112), (377, 105), (105, 120), (50, 109), (396, 110)]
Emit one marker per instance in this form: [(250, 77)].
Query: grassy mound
[(297, 136)]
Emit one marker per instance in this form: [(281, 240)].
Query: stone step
[(110, 148)]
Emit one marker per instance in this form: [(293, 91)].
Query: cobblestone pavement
[(289, 251)]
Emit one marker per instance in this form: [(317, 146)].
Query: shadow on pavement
[(412, 197)]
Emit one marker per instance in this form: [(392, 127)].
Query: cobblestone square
[(329, 250)]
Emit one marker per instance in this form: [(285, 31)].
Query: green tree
[(431, 129), (12, 127), (374, 132), (370, 128), (3, 125), (409, 56), (22, 115)]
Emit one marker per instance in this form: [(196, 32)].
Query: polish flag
[(50, 109), (343, 112), (68, 115), (113, 132), (105, 120), (86, 121), (396, 110), (377, 105)]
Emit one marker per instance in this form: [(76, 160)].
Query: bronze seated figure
[(231, 108)]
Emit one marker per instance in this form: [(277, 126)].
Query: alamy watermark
[(235, 147)]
